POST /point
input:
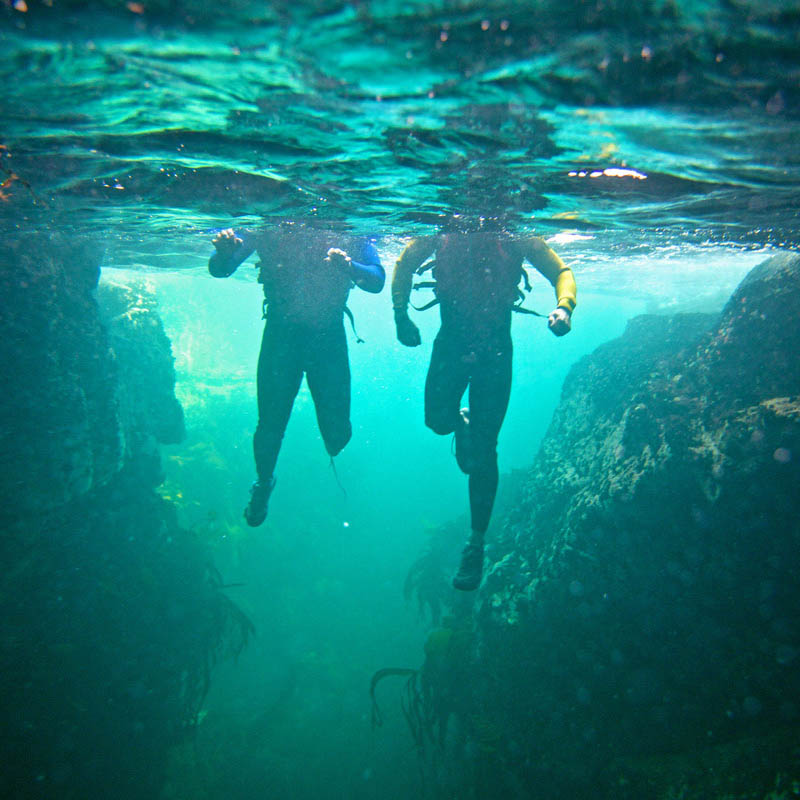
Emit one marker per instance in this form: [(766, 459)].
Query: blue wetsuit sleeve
[(221, 267), (368, 273)]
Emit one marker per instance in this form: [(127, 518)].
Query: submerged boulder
[(643, 596), (148, 410), (61, 433), (112, 614)]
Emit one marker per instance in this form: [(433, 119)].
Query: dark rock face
[(58, 415), (91, 387), (148, 410), (112, 616), (753, 355), (643, 596)]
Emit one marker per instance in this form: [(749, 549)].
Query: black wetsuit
[(477, 277), (481, 360), (305, 298)]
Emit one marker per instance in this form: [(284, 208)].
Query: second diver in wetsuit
[(476, 283), (307, 275)]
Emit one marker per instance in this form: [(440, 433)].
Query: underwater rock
[(750, 356), (112, 614), (92, 389), (61, 432), (643, 597), (148, 409)]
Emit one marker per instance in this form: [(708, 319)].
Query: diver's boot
[(256, 511), (470, 570), (465, 456)]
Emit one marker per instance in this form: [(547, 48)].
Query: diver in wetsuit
[(477, 276), (307, 275)]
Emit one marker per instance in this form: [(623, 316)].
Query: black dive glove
[(407, 331)]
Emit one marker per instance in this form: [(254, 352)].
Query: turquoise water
[(653, 145)]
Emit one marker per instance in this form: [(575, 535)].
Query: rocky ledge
[(112, 615), (643, 596)]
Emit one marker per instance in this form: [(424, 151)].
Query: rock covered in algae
[(643, 594), (61, 433), (148, 410), (92, 384), (112, 616)]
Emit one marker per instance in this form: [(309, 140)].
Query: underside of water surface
[(654, 120)]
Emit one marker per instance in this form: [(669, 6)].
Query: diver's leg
[(489, 393), (445, 384), (280, 373), (328, 376)]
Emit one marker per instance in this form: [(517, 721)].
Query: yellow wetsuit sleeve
[(554, 269), (414, 255)]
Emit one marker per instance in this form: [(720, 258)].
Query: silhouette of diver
[(307, 275), (477, 276)]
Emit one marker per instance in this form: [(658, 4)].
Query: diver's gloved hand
[(226, 242), (407, 331), (560, 321), (339, 260)]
